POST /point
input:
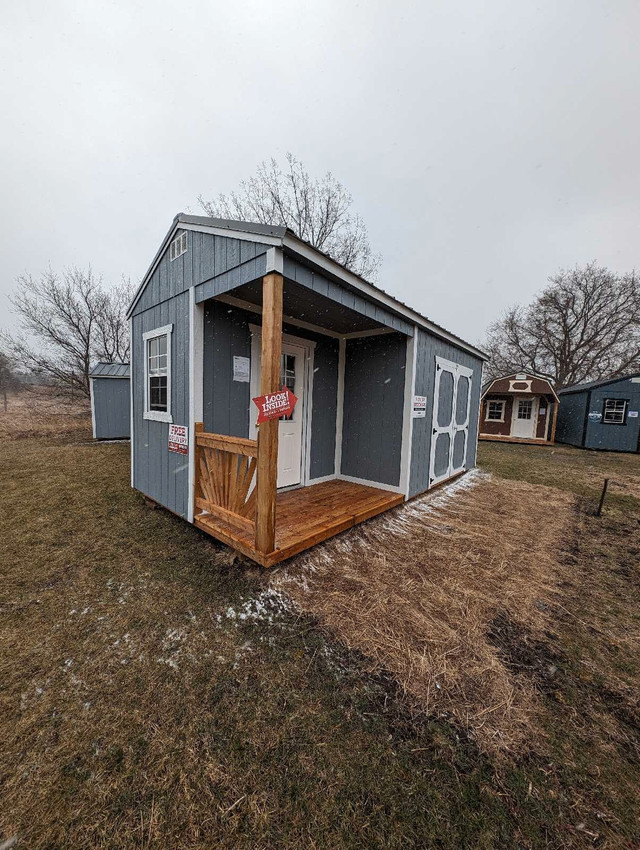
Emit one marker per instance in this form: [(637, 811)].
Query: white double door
[(291, 428), (450, 427)]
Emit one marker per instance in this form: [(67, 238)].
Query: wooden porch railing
[(225, 471), (226, 466)]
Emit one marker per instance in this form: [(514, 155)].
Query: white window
[(157, 374), (615, 411), (525, 408), (495, 411), (178, 246)]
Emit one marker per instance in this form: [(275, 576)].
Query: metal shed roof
[(288, 240), (110, 370), (590, 385)]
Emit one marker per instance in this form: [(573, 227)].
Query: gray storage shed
[(601, 415), (387, 401), (110, 401)]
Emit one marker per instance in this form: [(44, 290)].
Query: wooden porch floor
[(306, 516), (529, 441)]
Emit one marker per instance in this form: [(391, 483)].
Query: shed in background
[(519, 408), (110, 401), (601, 415)]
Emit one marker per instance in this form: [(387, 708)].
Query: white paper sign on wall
[(241, 369), (632, 414), (419, 406)]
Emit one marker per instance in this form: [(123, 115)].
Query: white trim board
[(392, 488), (407, 421), (157, 415), (93, 409), (322, 261), (196, 389), (131, 417)]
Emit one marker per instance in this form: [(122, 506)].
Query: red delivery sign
[(275, 405)]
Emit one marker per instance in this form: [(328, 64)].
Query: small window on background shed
[(178, 246), (615, 411), (495, 411)]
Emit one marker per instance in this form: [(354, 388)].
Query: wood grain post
[(197, 491), (267, 470), (555, 421)]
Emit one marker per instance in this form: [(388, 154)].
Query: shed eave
[(284, 238)]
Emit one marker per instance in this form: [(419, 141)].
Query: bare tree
[(8, 379), (317, 210), (72, 320), (584, 326)]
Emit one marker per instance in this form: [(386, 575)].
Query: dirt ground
[(157, 694)]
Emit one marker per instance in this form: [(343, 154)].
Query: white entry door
[(292, 376), (524, 418), (450, 431)]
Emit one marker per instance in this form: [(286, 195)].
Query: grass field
[(157, 694)]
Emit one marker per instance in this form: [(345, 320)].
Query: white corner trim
[(391, 488), (340, 405), (321, 480), (275, 261), (93, 409), (196, 328), (407, 422), (131, 420), (297, 246)]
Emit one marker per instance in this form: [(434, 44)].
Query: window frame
[(501, 401), (178, 246), (623, 421), (157, 415)]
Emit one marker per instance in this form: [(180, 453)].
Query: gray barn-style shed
[(387, 401), (601, 415), (109, 386)]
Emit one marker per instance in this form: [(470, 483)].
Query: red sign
[(275, 405), (179, 439)]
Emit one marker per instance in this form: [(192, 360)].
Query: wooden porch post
[(555, 422), (268, 431)]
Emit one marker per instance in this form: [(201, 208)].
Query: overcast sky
[(485, 144)]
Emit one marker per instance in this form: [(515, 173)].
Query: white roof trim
[(533, 376), (299, 247), (306, 252)]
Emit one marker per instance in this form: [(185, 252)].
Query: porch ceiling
[(312, 307)]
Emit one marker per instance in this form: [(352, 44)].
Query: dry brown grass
[(419, 592), (39, 412)]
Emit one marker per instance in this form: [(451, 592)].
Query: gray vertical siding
[(373, 407), (576, 428), (208, 261), (227, 403), (572, 413), (157, 472), (616, 438), (427, 349), (112, 420), (325, 400)]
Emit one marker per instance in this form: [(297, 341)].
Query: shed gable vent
[(178, 246)]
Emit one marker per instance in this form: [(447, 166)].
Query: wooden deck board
[(307, 516), (529, 441)]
